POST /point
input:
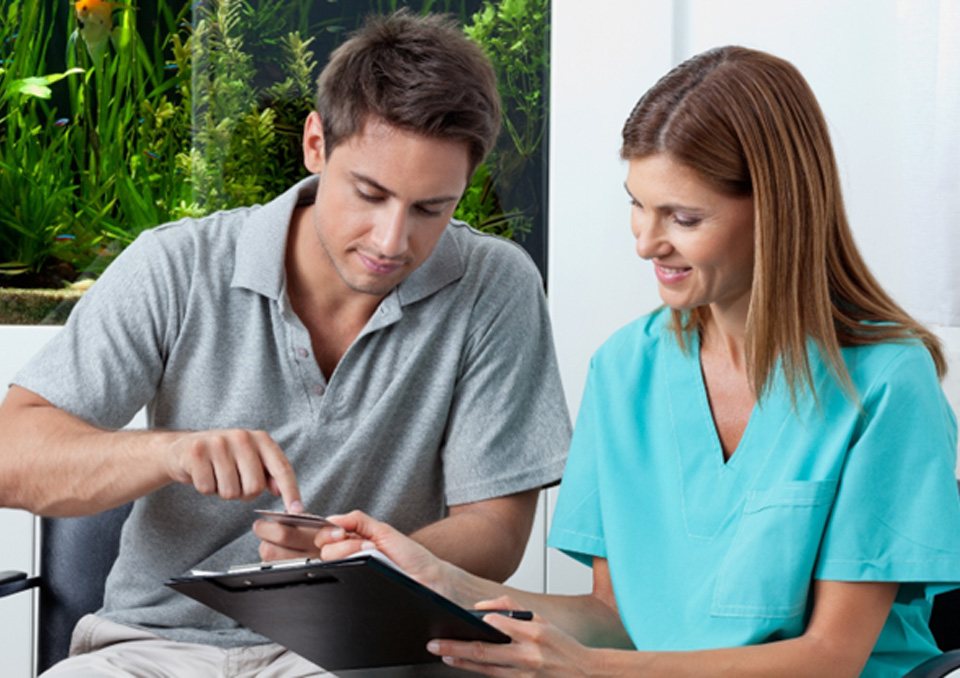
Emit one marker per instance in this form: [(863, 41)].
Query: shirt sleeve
[(508, 428), (106, 362), (577, 526), (896, 516)]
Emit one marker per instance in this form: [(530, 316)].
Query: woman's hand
[(360, 532), (538, 649)]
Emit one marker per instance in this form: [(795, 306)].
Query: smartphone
[(295, 519)]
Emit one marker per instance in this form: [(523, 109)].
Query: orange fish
[(95, 23)]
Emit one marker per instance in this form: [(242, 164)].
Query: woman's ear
[(314, 158)]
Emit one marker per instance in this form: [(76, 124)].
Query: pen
[(525, 615)]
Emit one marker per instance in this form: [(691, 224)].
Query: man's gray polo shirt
[(449, 395)]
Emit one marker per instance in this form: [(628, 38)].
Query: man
[(344, 346)]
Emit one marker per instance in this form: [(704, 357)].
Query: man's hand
[(283, 542), (233, 464)]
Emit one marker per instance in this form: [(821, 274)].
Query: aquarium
[(119, 116)]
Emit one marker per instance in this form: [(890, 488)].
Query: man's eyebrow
[(371, 182), (380, 188)]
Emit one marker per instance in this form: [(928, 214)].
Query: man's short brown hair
[(417, 73)]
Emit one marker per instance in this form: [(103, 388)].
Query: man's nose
[(390, 234)]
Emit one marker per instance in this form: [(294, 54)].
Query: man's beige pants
[(103, 648)]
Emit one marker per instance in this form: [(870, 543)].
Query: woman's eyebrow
[(668, 207)]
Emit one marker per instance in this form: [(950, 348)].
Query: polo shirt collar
[(262, 245), (261, 251), (442, 267)]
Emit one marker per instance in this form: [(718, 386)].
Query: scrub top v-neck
[(706, 553), (703, 470)]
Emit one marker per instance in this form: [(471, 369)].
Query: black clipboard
[(343, 614)]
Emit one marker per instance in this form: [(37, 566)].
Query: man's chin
[(374, 288)]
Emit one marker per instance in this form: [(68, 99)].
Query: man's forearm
[(52, 463), (487, 538), (474, 543)]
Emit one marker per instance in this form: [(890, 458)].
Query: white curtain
[(928, 80)]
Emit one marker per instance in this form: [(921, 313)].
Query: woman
[(761, 474)]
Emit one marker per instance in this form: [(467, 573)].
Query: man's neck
[(332, 313), (312, 280)]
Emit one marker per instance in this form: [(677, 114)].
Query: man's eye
[(366, 197), (428, 212)]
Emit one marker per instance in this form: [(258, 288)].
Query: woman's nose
[(650, 238)]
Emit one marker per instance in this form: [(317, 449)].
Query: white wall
[(17, 527), (605, 54), (20, 530), (599, 66), (16, 612)]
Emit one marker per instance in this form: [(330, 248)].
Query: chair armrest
[(12, 581), (937, 667)]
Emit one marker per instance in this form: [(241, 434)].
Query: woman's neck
[(724, 335)]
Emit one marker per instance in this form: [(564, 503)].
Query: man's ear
[(314, 156)]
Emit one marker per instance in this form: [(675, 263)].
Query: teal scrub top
[(706, 553)]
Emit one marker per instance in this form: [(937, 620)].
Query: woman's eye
[(684, 221), (428, 212), (634, 203)]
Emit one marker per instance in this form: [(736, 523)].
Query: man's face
[(384, 198)]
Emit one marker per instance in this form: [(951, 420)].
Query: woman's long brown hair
[(748, 123)]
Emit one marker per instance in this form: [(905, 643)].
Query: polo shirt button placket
[(319, 389)]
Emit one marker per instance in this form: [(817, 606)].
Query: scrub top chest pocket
[(769, 566)]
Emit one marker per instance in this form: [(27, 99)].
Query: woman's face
[(699, 240)]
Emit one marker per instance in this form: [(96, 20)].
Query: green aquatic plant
[(292, 99), (34, 217), (515, 36), (88, 161), (246, 136), (224, 111), (129, 129), (152, 111), (36, 221), (481, 208)]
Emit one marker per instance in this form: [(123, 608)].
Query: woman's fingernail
[(433, 647), (296, 506), (338, 533)]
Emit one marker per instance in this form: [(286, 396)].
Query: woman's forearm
[(585, 617), (796, 658)]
